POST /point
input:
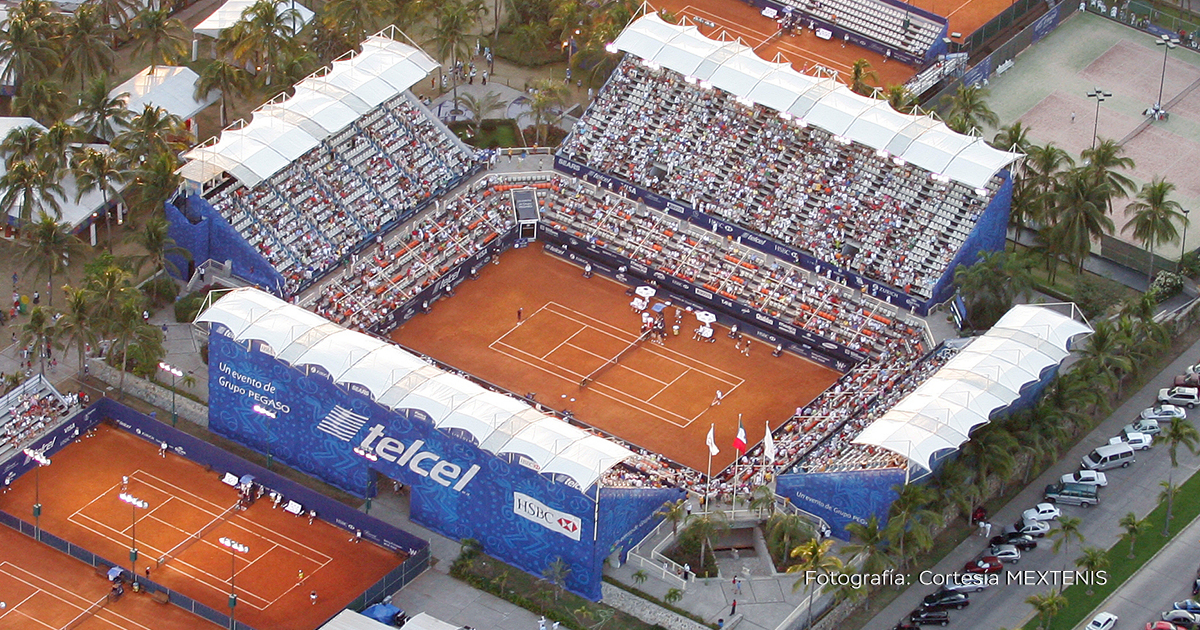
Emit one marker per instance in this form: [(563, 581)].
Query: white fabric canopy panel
[(985, 376), (400, 380), (172, 88), (283, 137), (964, 159), (230, 13)]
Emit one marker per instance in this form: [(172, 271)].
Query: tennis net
[(190, 540), (615, 360), (88, 612)]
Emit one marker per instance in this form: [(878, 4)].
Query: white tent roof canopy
[(229, 13), (73, 212), (324, 103), (172, 88), (935, 148), (986, 375), (399, 380)]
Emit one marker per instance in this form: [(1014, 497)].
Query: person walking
[(312, 597), (716, 401), (733, 608), (737, 586)]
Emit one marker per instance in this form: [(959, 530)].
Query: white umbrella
[(645, 291), (706, 317)]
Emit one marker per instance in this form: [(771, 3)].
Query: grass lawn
[(492, 134)]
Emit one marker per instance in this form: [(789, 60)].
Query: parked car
[(1191, 379), (945, 600), (1164, 413), (1042, 512), (1149, 427), (1037, 529), (1161, 625), (924, 617), (1072, 494), (1006, 553), (1179, 396), (964, 583), (1180, 618), (1102, 621), (1136, 441), (984, 564), (1189, 605), (906, 625), (1024, 542), (1087, 478)]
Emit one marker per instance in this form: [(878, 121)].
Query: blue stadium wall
[(200, 229), (842, 498), (341, 435), (989, 235)]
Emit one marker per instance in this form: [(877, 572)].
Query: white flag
[(711, 441), (768, 446)]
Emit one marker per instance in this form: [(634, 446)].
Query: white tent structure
[(985, 376), (172, 88), (323, 104), (824, 103), (229, 13), (397, 379)]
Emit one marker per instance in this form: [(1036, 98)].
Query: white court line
[(666, 385), (103, 611), (565, 341), (641, 374)]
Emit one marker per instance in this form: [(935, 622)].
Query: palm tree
[(85, 45), (40, 333), (112, 11), (674, 512), (161, 36), (42, 100), (101, 115), (911, 522), (1103, 164), (75, 325), (1067, 530), (98, 170), (967, 109), (861, 77), (108, 288), (815, 556), (480, 108), (1047, 605), (154, 183), (354, 18), (784, 531), (1177, 433), (763, 498), (1081, 216), (452, 35), (25, 52), (871, 545), (1154, 217), (153, 131), (219, 74), (991, 285), (22, 143), (1133, 528), (1014, 137), (556, 573), (547, 95), (29, 190), (49, 248), (1040, 174), (132, 337), (1105, 354), (263, 36), (155, 239), (990, 451), (706, 528), (1092, 560), (901, 99)]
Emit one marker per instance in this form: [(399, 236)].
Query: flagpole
[(708, 477), (736, 456)]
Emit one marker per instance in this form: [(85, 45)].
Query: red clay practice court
[(658, 397), (286, 561)]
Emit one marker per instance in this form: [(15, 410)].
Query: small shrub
[(1095, 296), (161, 290), (1166, 285)]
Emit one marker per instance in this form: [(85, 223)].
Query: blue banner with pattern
[(842, 498)]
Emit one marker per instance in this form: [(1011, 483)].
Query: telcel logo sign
[(393, 450), (530, 508)]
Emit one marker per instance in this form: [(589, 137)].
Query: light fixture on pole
[(41, 460), (269, 415), (1100, 96), (134, 504), (174, 372), (1183, 240), (235, 548), (1167, 42)]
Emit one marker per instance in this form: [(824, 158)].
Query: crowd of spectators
[(29, 411), (310, 216), (840, 201)]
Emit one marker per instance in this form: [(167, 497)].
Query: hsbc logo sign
[(531, 509)]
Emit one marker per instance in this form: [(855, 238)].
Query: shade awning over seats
[(499, 423), (821, 102), (984, 377), (231, 12), (172, 88)]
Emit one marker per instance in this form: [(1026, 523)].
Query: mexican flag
[(739, 442)]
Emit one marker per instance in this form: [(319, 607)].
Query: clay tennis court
[(44, 589), (79, 492), (658, 397), (804, 49)]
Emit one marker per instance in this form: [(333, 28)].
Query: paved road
[(1134, 489)]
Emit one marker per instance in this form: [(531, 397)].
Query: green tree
[(40, 332), (901, 99), (1133, 527), (1094, 559), (640, 576), (1104, 165), (1066, 531), (133, 338), (991, 285), (154, 182), (990, 451), (162, 37), (1176, 434), (816, 561), (784, 532), (706, 528), (1047, 605), (98, 170), (263, 36), (42, 100), (481, 108), (547, 95), (30, 189), (100, 115), (1080, 215), (1106, 355), (49, 246), (763, 498), (967, 109), (1014, 137), (229, 79), (108, 289), (556, 573), (22, 143), (152, 132), (75, 325), (675, 513), (871, 545), (862, 77), (354, 18), (25, 52), (113, 12), (1154, 217), (85, 45), (911, 523), (155, 240), (452, 37)]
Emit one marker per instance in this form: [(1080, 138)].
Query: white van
[(1109, 456)]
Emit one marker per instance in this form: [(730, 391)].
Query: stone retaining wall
[(152, 393), (645, 610)]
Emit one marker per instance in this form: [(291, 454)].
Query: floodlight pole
[(1183, 241), (1100, 96), (1167, 42), (41, 460), (174, 371), (235, 548), (134, 504), (269, 415)]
